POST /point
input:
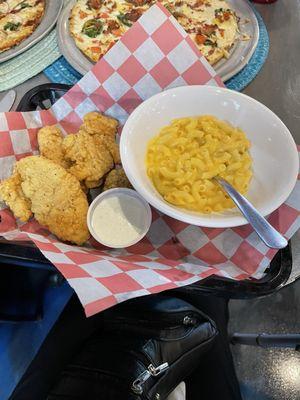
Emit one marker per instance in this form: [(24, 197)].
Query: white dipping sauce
[(119, 220)]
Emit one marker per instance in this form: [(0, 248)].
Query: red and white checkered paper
[(155, 54)]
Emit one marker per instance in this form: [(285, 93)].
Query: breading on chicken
[(98, 124), (93, 184), (57, 200), (89, 158), (116, 179), (50, 140), (89, 154), (113, 148), (12, 194)]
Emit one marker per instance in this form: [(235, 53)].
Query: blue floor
[(19, 342)]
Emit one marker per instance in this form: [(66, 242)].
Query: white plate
[(274, 152), (48, 21), (239, 55)]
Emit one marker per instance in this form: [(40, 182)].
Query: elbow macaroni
[(184, 157)]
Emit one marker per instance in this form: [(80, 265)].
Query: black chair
[(265, 340)]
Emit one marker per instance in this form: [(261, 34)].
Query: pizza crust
[(19, 24)]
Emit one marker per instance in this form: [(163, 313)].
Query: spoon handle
[(265, 231)]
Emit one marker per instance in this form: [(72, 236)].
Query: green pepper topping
[(11, 26), (168, 7), (221, 11), (92, 28), (209, 42), (121, 17), (24, 5)]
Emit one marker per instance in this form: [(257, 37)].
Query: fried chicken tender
[(113, 148), (93, 184), (57, 200), (89, 157), (50, 140), (12, 194), (116, 179), (89, 154), (92, 152), (97, 124)]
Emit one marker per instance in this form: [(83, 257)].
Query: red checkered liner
[(155, 54)]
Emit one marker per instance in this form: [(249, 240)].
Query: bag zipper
[(152, 371), (137, 385), (188, 319)]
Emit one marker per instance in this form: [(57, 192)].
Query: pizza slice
[(96, 25), (18, 19), (212, 25)]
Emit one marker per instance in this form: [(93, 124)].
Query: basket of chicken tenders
[(63, 185)]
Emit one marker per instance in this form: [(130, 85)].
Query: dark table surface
[(278, 83)]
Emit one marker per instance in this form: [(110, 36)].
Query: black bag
[(148, 346)]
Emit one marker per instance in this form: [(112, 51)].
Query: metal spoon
[(265, 231)]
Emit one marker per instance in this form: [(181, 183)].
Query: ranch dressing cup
[(119, 218)]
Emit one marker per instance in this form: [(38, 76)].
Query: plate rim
[(62, 32), (21, 47), (250, 53)]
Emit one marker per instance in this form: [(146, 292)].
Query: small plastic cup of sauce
[(119, 218)]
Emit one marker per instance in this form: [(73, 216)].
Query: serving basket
[(26, 255)]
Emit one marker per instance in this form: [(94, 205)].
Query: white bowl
[(274, 152)]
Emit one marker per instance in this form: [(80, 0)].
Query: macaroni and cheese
[(184, 157)]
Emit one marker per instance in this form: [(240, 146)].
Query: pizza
[(96, 25), (18, 19)]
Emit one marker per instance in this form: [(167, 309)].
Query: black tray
[(26, 254), (42, 97)]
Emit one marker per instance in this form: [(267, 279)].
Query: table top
[(277, 84)]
